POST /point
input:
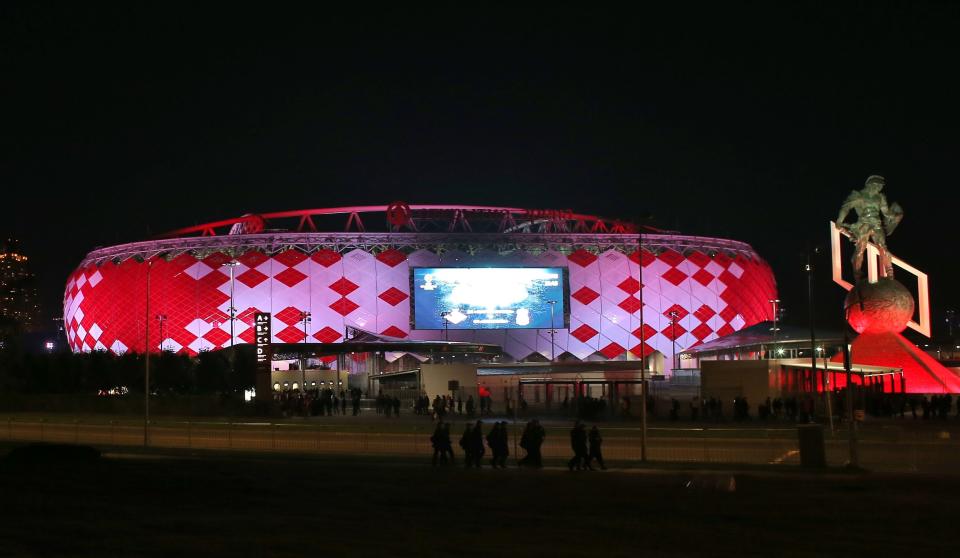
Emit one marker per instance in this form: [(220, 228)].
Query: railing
[(931, 449)]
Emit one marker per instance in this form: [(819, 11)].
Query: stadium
[(323, 273)]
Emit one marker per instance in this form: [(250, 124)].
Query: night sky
[(751, 122)]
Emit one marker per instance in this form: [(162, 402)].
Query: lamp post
[(553, 332), (146, 361), (643, 365), (776, 306), (674, 315), (446, 325), (305, 318), (160, 319), (232, 264)]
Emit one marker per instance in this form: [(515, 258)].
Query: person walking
[(476, 442), (578, 443), (596, 441), (436, 440), (466, 444)]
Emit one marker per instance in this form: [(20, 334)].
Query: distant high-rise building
[(19, 305)]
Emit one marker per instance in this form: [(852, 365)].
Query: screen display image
[(488, 297)]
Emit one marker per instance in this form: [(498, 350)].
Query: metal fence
[(901, 448)]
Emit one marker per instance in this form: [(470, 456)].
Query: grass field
[(183, 503)]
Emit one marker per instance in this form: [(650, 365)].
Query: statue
[(875, 221)]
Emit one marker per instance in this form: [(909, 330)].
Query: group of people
[(386, 405), (586, 447), (471, 442), (319, 402), (443, 405)]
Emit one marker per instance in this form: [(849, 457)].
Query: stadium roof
[(763, 334)]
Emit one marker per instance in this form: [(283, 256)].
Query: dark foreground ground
[(180, 504)]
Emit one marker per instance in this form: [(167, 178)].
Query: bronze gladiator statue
[(875, 221)]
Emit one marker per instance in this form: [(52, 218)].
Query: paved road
[(904, 451)]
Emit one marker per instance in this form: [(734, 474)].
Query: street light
[(160, 319), (446, 325), (553, 332), (232, 264), (674, 315), (146, 361), (643, 365), (305, 318)]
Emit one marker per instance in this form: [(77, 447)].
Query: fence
[(931, 449)]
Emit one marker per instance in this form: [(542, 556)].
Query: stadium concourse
[(542, 285)]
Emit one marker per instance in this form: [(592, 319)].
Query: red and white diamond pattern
[(713, 296)]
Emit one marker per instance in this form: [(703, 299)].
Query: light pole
[(146, 361), (305, 318), (776, 307), (446, 325), (643, 364), (232, 264), (160, 319), (673, 335), (553, 332)]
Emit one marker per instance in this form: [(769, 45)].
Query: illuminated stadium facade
[(335, 268)]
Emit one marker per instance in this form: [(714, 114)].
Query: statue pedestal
[(879, 312)]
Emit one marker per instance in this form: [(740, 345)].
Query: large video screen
[(489, 297)]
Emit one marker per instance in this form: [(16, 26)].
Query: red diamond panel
[(217, 336), (290, 257), (722, 259), (344, 306), (290, 277), (247, 335), (728, 314), (703, 277), (392, 257), (680, 310), (325, 257), (251, 278), (675, 276), (327, 335), (394, 331), (343, 286), (629, 285), (647, 350), (584, 333), (704, 313), (291, 334), (582, 258), (698, 258), (671, 330), (648, 332), (725, 330), (670, 257), (393, 296), (613, 350), (702, 331), (288, 315), (585, 295), (630, 304), (216, 259), (644, 258), (212, 280), (253, 258)]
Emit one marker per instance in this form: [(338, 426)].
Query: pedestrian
[(459, 405), (466, 444), (493, 442), (343, 403), (596, 441), (578, 443), (470, 406), (396, 406), (436, 440), (447, 445), (476, 442)]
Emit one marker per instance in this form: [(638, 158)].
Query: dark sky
[(750, 121)]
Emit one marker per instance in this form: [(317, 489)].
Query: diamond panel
[(325, 257), (675, 276), (343, 286), (630, 285), (394, 331), (584, 333), (344, 306), (290, 334), (290, 277), (630, 304), (582, 258), (392, 257), (327, 335), (393, 296), (585, 295), (613, 350), (251, 278)]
